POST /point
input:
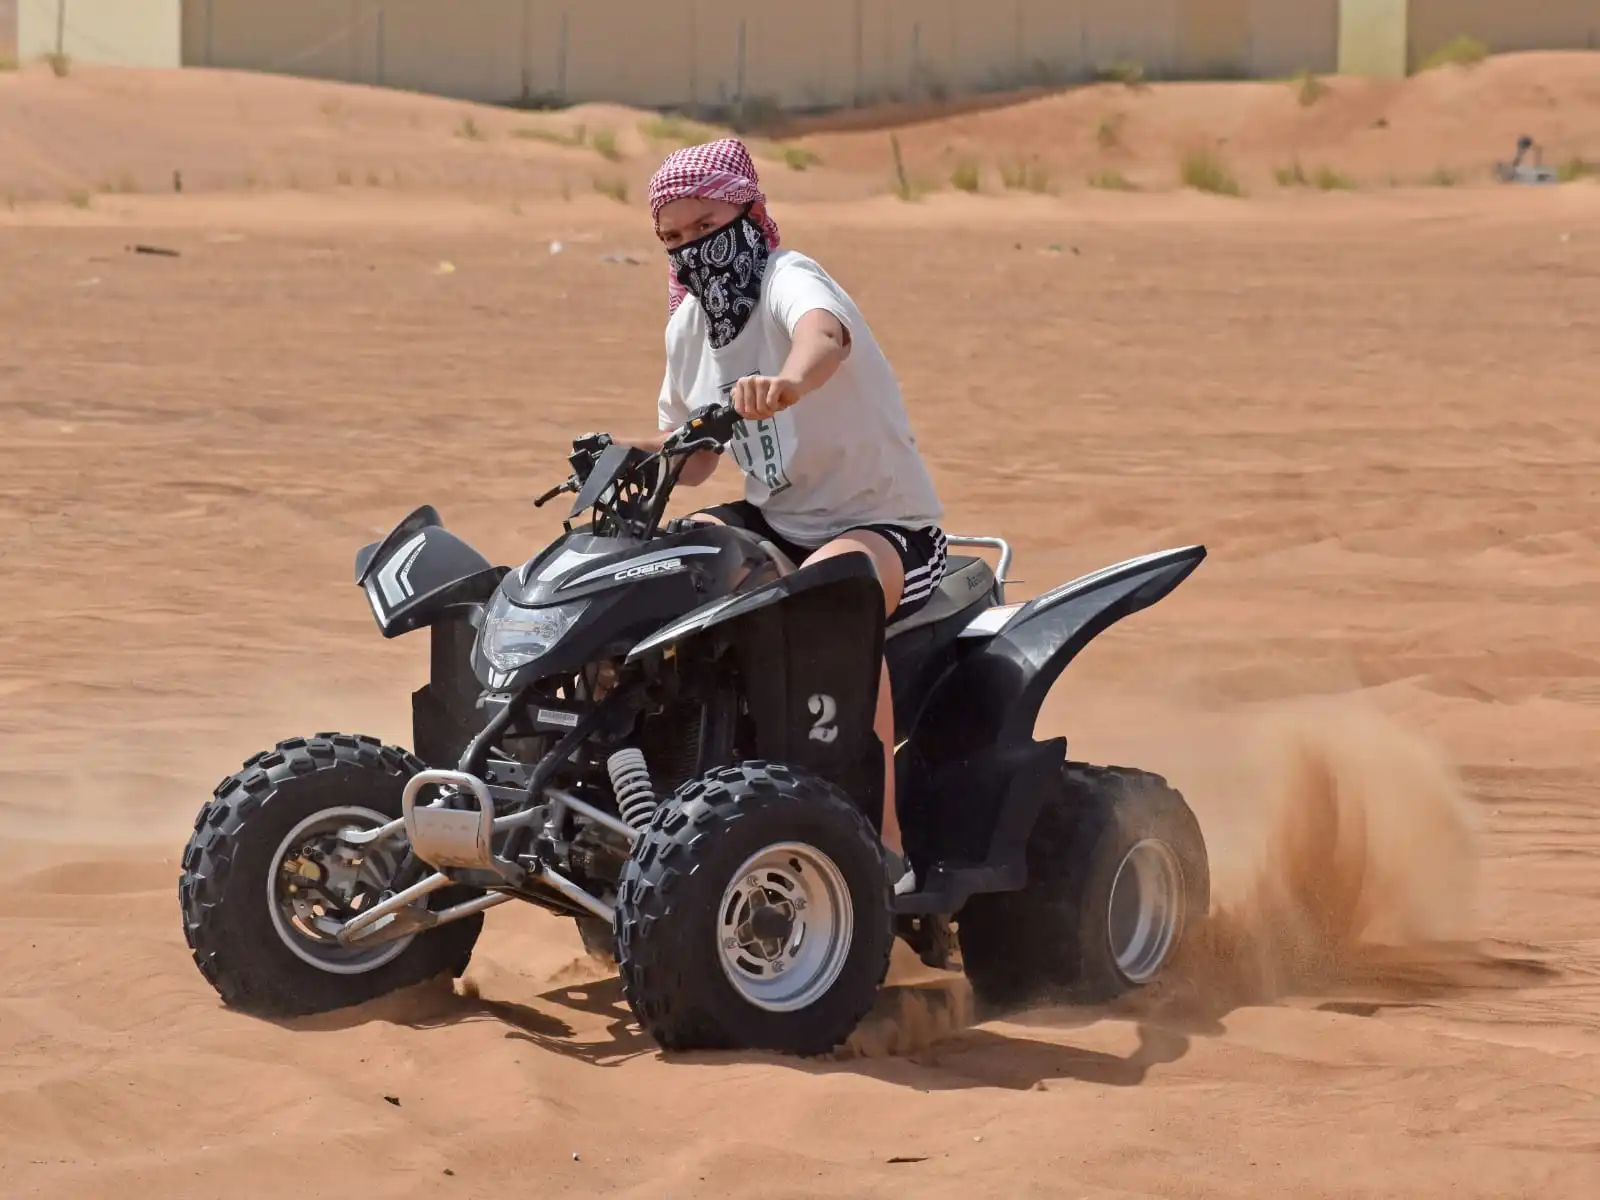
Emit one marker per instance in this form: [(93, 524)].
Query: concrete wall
[(1503, 25), (712, 52), (1293, 35), (1373, 38), (8, 31), (686, 53), (128, 33)]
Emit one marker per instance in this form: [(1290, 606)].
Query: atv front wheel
[(754, 914), (266, 881), (1117, 879), (599, 942)]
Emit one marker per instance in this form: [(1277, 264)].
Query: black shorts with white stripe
[(921, 548)]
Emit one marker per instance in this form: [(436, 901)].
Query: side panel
[(807, 649), (419, 571)]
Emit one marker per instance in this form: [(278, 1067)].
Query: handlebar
[(709, 428)]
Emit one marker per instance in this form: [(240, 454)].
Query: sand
[(1381, 692)]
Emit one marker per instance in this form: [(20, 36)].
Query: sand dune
[(1380, 692), (1375, 133), (119, 131)]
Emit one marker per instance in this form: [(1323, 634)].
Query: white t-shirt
[(841, 457)]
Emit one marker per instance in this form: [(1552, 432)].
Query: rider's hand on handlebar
[(757, 397)]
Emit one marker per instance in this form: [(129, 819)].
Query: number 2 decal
[(824, 709)]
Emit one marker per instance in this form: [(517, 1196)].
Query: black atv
[(664, 730)]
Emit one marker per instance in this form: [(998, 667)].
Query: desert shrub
[(1459, 51), (1204, 170)]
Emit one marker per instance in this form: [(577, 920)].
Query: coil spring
[(630, 781)]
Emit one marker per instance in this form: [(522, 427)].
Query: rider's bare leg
[(892, 576)]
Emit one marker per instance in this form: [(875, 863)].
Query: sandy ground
[(1382, 691)]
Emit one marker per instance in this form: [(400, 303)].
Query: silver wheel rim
[(355, 873), (785, 926), (1145, 914)]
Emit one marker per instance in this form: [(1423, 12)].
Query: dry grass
[(1309, 88), (616, 189), (471, 130), (967, 176), (1443, 177), (1204, 170), (604, 143), (7, 63), (1329, 180), (798, 158), (902, 184), (1112, 180), (1294, 175), (678, 130), (1031, 176), (1575, 169), (1459, 51), (1109, 132), (79, 198), (556, 137), (1126, 71), (123, 185)]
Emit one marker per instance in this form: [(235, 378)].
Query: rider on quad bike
[(666, 733), (765, 328)]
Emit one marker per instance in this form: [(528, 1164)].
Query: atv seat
[(915, 646), (967, 583)]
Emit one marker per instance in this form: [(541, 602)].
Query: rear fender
[(807, 648), (420, 572), (992, 695), (971, 776)]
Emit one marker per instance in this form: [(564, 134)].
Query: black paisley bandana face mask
[(723, 271)]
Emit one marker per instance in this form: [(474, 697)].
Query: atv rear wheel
[(754, 914), (1117, 879), (265, 866)]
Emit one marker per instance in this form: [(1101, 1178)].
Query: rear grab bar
[(1003, 571)]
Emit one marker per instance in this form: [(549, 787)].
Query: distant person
[(831, 466)]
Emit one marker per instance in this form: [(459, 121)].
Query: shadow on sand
[(929, 1035)]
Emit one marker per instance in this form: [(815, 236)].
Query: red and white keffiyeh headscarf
[(720, 170)]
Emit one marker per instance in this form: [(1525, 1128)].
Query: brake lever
[(569, 486), (705, 443)]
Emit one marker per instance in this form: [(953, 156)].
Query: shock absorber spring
[(630, 780)]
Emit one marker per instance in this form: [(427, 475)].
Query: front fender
[(992, 695), (420, 571)]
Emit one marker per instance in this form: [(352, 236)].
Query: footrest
[(450, 837), (946, 887)]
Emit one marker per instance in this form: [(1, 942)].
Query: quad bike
[(664, 731)]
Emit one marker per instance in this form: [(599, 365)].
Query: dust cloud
[(1348, 851)]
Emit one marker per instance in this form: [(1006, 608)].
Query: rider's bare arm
[(820, 342), (702, 465)]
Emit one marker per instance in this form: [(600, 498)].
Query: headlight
[(514, 636)]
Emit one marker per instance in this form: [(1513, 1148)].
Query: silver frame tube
[(1003, 571), (393, 904)]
